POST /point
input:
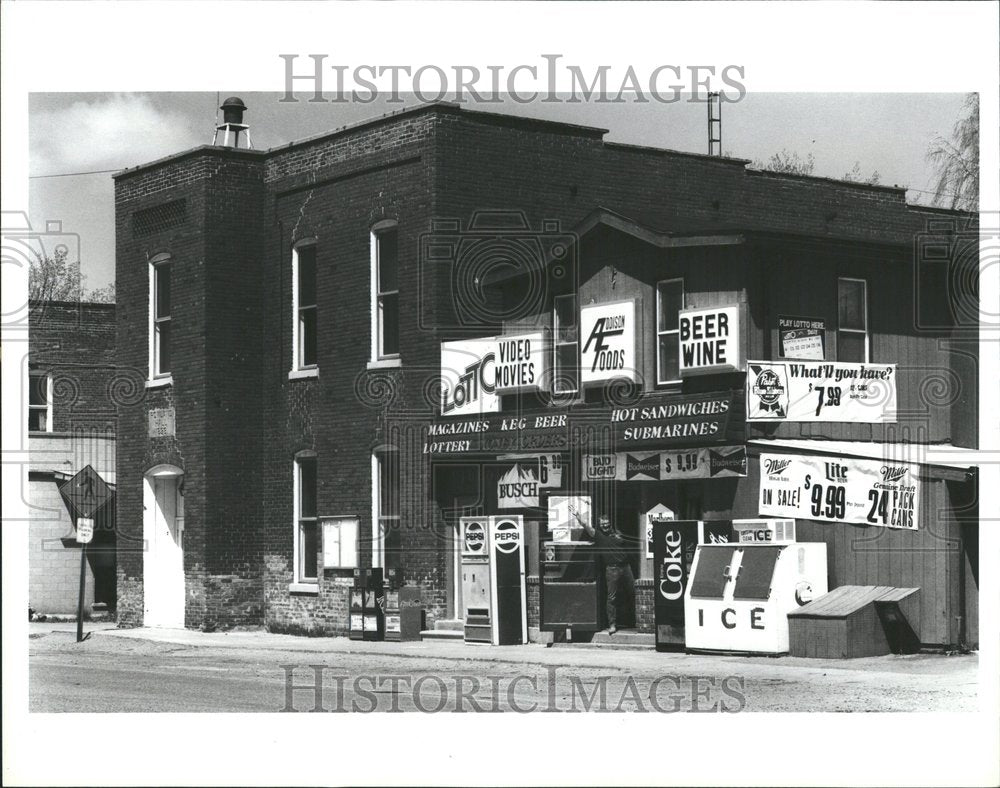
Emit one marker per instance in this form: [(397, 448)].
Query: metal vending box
[(674, 543), (476, 589), (367, 600), (509, 614), (740, 594)]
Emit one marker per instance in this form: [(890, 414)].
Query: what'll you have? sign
[(821, 391)]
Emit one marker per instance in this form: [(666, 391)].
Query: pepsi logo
[(475, 538), (506, 536)]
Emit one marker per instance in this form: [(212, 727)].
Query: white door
[(163, 564)]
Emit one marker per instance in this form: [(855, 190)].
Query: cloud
[(113, 131)]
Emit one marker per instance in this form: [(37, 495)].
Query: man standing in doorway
[(613, 550)]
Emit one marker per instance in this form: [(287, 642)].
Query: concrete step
[(443, 634), (450, 624), (624, 637)]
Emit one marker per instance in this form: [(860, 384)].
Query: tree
[(956, 161), (102, 295), (855, 175), (53, 278), (786, 162)]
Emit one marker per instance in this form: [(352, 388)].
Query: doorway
[(163, 537)]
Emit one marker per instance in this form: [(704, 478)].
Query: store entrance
[(626, 521)]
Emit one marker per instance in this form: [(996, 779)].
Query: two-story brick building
[(299, 320), (71, 379)]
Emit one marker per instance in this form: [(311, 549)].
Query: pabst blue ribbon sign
[(821, 391), (839, 489)]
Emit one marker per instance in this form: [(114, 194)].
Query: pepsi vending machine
[(509, 608), (674, 544), (476, 594)]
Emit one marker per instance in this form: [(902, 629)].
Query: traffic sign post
[(86, 493), (84, 534)]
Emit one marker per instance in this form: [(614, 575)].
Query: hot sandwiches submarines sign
[(821, 391), (838, 489)]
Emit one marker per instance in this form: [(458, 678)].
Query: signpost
[(86, 492)]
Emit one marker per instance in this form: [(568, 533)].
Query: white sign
[(84, 530), (518, 487), (837, 489), (340, 542), (520, 362), (766, 531), (607, 349), (658, 514), (468, 377), (561, 522), (710, 340), (821, 391)]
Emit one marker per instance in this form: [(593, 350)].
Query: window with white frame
[(306, 529), (852, 320), (39, 402), (565, 345), (160, 324), (304, 318), (385, 291), (669, 302), (385, 509)]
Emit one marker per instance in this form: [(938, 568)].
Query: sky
[(84, 132)]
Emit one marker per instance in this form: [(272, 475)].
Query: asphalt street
[(255, 672)]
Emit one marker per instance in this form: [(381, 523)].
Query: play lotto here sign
[(711, 340)]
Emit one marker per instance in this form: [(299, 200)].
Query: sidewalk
[(954, 668)]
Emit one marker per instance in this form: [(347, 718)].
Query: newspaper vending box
[(740, 594)]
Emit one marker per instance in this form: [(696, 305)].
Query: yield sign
[(87, 491)]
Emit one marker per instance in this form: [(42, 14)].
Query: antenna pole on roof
[(714, 124)]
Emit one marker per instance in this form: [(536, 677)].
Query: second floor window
[(669, 301), (385, 264), (304, 295), (852, 320), (39, 402), (565, 345), (161, 323)]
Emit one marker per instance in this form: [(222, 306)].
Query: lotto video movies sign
[(837, 489), (700, 463), (821, 391)]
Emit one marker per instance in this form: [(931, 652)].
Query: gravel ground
[(116, 671)]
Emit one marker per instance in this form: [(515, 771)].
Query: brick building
[(71, 424), (285, 315)]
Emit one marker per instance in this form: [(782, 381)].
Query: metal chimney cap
[(234, 102)]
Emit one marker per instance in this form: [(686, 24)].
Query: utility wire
[(72, 174)]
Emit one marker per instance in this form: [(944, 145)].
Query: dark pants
[(617, 577)]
